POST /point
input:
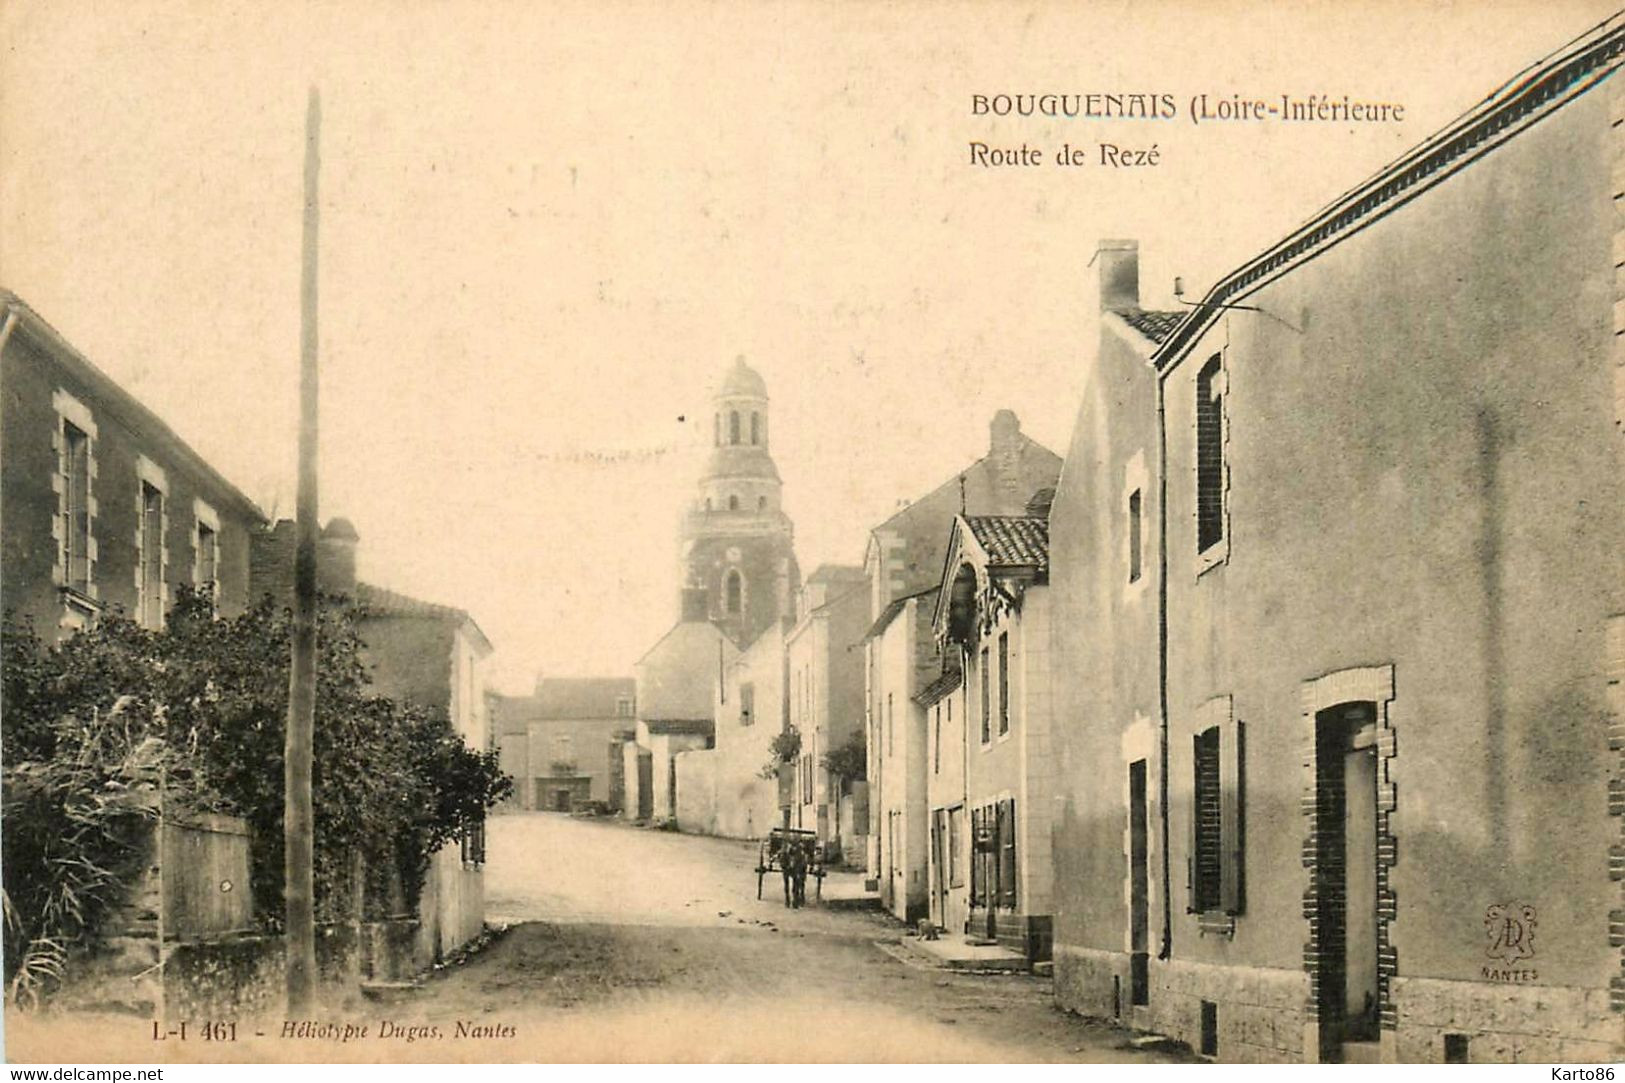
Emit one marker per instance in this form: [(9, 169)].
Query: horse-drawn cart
[(795, 853)]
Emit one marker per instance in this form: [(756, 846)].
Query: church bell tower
[(739, 565)]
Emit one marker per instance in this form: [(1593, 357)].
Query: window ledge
[(79, 600), (1213, 556)]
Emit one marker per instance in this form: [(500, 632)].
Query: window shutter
[(975, 858), (1191, 895), (1232, 816), (1007, 840), (1207, 823)]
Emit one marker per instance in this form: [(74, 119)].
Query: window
[(623, 707), (1215, 861), (150, 599), (564, 754), (956, 841), (733, 427), (208, 559), (1210, 465), (747, 703), (76, 505), (734, 599), (1206, 832), (733, 501), (987, 717), (761, 503), (755, 427), (1134, 536), (473, 844), (206, 551), (1004, 683)]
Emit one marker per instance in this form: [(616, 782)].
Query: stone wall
[(1503, 1024)]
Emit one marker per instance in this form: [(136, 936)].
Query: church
[(739, 579)]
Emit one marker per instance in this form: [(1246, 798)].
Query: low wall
[(696, 792), (233, 977)]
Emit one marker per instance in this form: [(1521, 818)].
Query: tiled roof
[(1012, 540), (694, 727), (1155, 326), (938, 689), (382, 602), (889, 614)]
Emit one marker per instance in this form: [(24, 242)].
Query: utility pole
[(298, 823)]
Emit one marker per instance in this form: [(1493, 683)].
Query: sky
[(546, 231)]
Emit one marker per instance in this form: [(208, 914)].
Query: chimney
[(1004, 455), (335, 557), (1119, 275)]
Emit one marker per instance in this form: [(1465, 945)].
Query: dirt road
[(630, 944)]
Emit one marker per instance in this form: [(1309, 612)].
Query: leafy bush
[(91, 725), (784, 749), (850, 761)]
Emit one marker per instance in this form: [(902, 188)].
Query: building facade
[(1366, 803), (738, 545), (560, 743), (824, 660), (105, 508), (727, 790), (993, 611), (901, 660), (903, 560)]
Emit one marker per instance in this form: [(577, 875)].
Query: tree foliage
[(94, 727), (849, 761), (782, 750)]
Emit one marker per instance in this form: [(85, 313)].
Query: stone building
[(561, 743), (740, 578), (104, 507), (722, 791), (1336, 567), (416, 652), (993, 612), (676, 697), (737, 542), (903, 563), (824, 660), (901, 661)]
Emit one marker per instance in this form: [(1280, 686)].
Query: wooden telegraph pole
[(298, 824)]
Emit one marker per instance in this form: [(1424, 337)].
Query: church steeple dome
[(737, 541)]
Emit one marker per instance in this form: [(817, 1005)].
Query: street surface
[(636, 944), (625, 944)]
